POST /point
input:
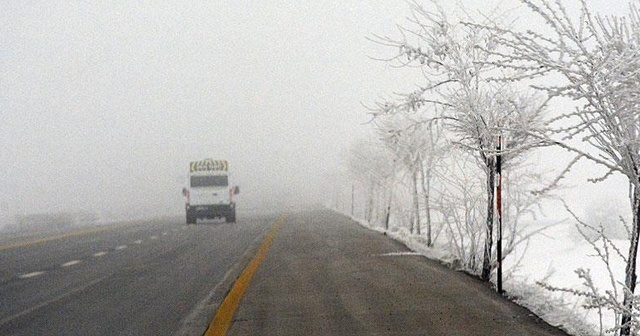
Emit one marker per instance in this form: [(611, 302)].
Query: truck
[(209, 195)]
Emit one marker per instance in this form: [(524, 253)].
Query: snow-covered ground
[(552, 257)]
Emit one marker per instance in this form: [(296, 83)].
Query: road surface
[(326, 275), (317, 273), (147, 278)]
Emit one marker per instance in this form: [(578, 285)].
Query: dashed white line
[(75, 262), (71, 263), (397, 254), (31, 275)]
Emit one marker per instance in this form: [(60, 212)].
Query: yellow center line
[(60, 236), (222, 320)]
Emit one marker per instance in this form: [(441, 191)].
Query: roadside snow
[(552, 257)]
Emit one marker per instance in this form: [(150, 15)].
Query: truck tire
[(191, 219), (231, 216)]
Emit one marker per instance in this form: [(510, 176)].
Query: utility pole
[(499, 213)]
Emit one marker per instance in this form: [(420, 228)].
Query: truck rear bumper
[(210, 210)]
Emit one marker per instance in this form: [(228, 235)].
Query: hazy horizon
[(104, 105)]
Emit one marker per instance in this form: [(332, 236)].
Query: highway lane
[(318, 273), (324, 274), (143, 278)]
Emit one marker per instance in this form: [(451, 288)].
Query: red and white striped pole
[(499, 213)]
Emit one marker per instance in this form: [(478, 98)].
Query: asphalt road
[(320, 274), (326, 275), (146, 278)]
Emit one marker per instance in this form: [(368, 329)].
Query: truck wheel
[(231, 217), (191, 219)]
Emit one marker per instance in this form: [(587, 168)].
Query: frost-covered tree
[(398, 136), (454, 60), (417, 147), (436, 147), (593, 297), (459, 205), (598, 59), (371, 164)]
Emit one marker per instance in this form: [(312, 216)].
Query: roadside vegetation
[(453, 163)]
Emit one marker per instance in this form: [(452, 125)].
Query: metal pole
[(499, 213)]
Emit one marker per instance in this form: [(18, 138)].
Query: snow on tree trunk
[(631, 268), (426, 190), (416, 203), (488, 246)]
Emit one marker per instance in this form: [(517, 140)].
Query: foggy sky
[(104, 103)]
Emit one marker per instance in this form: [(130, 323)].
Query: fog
[(103, 104)]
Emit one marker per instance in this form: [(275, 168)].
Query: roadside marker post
[(499, 213)]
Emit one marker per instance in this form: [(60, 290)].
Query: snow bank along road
[(309, 273)]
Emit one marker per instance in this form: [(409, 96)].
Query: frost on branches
[(372, 166), (598, 59), (593, 298), (474, 112)]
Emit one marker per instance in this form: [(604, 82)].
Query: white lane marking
[(396, 254), (99, 254), (154, 237), (138, 241), (121, 247), (46, 303), (71, 263), (30, 275)]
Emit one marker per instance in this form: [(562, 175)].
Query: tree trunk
[(630, 270), (388, 213), (416, 203), (488, 245), (369, 207), (427, 204), (426, 189)]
